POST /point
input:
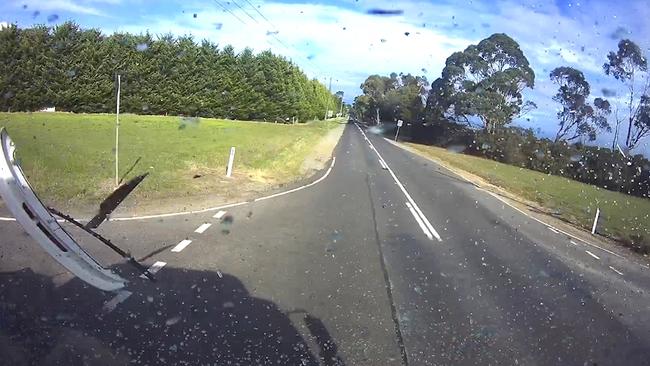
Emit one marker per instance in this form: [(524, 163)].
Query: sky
[(346, 41)]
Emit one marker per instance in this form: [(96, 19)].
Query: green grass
[(69, 158), (623, 216)]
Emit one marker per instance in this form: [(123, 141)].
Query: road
[(386, 259)]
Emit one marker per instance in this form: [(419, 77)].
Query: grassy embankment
[(624, 217), (69, 158)]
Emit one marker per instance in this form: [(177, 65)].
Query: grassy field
[(69, 158), (624, 217)]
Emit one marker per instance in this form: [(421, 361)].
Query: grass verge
[(623, 217), (69, 158)]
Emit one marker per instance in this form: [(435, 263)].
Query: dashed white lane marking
[(616, 270), (573, 242), (592, 254), (553, 230), (419, 220), (418, 212), (112, 303), (301, 187), (180, 246), (383, 165), (219, 214), (202, 228), (154, 268)]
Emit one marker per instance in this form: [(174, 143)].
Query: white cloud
[(324, 40), (66, 5)]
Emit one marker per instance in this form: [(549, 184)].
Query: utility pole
[(341, 110), (327, 107), (117, 131)]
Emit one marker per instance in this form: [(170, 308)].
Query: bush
[(593, 165)]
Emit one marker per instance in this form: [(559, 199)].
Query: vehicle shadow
[(186, 317)]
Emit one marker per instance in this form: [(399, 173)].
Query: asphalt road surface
[(387, 260)]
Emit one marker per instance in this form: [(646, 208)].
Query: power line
[(272, 34), (265, 18), (260, 13), (244, 10), (230, 12), (225, 8)]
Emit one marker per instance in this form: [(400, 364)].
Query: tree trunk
[(615, 140)]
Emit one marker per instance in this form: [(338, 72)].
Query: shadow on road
[(186, 317)]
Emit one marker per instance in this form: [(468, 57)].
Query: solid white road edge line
[(419, 221), (547, 225), (301, 187), (408, 196), (171, 214), (202, 228), (180, 246), (383, 165), (112, 303), (592, 254), (154, 268), (219, 214)]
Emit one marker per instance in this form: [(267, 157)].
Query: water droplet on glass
[(456, 148), (385, 12), (52, 18), (172, 321)]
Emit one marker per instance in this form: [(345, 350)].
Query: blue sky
[(340, 39)]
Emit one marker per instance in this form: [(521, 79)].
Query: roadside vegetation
[(470, 109), (69, 158)]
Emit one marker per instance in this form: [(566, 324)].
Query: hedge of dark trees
[(75, 70)]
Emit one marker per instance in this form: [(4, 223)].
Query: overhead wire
[(245, 12), (269, 33), (274, 34)]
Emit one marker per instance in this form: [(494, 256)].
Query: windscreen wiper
[(38, 222)]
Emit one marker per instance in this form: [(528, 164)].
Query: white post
[(117, 131), (399, 125), (593, 228), (231, 159)]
